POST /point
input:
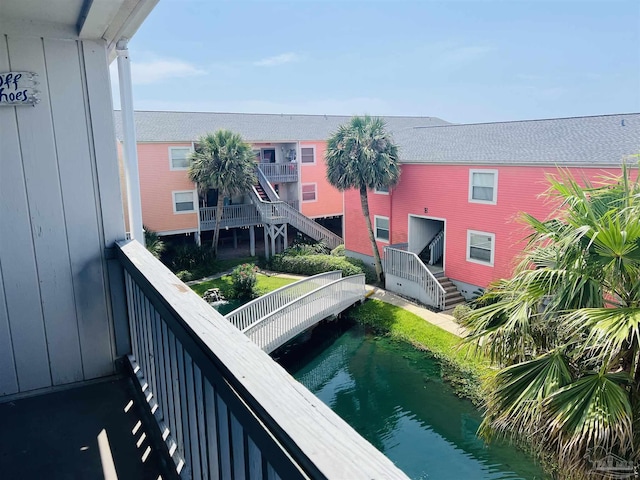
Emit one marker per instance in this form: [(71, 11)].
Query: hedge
[(314, 264)]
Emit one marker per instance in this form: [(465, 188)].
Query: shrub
[(298, 249), (244, 280), (461, 312), (191, 257), (338, 251), (369, 272), (313, 264), (184, 275), (152, 242)]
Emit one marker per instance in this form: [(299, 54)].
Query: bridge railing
[(223, 406), (253, 311), (280, 326)]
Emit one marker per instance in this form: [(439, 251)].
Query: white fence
[(224, 407), (253, 311), (280, 326), (408, 266)]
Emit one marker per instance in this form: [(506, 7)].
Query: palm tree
[(362, 155), (222, 161), (566, 330)]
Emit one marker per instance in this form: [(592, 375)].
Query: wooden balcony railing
[(280, 172), (224, 407), (232, 216)]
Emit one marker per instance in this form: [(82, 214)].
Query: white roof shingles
[(595, 140)]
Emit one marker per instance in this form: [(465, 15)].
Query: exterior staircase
[(275, 211), (261, 193), (452, 296)]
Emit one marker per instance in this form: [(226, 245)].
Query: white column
[(273, 232), (252, 240), (286, 237), (129, 144)]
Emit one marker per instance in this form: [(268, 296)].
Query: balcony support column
[(285, 237), (130, 150), (252, 241), (266, 242)]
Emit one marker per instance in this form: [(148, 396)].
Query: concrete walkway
[(439, 319)]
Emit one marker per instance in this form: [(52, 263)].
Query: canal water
[(393, 395)]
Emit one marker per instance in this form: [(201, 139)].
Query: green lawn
[(265, 284)]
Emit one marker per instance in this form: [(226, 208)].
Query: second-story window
[(483, 186), (308, 155), (309, 192), (179, 157)]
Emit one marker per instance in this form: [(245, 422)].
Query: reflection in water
[(393, 395)]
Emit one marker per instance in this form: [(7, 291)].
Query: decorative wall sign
[(18, 88)]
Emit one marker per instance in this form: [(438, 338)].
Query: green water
[(393, 395)]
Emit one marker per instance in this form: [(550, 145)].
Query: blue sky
[(463, 61)]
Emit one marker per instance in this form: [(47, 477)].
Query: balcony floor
[(60, 435)]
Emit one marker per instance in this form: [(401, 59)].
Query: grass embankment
[(461, 366)]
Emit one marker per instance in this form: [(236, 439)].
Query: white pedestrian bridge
[(274, 319)]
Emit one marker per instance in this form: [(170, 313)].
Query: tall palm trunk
[(364, 200), (216, 232)]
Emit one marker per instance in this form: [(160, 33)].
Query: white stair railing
[(436, 248), (408, 265), (248, 314), (280, 326), (277, 211)]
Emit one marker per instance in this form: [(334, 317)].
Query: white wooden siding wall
[(422, 232), (58, 205)]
